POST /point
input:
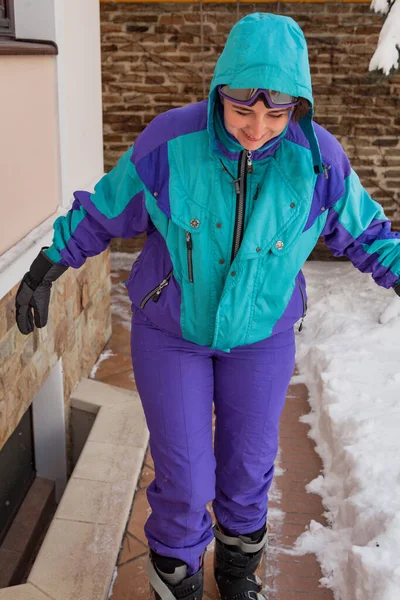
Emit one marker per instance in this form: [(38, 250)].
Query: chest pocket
[(187, 237), (278, 218)]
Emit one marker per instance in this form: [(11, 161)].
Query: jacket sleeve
[(357, 227), (115, 209)]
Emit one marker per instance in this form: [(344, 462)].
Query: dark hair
[(300, 110)]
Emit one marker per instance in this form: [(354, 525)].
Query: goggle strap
[(308, 130)]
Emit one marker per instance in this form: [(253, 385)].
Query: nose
[(257, 128)]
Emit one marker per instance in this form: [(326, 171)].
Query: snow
[(348, 357), (122, 261), (113, 580), (104, 356), (276, 519), (386, 56)]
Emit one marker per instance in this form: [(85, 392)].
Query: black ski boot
[(169, 581), (235, 562)]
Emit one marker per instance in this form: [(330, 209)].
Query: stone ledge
[(78, 556), (14, 47)]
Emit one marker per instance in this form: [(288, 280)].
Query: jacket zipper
[(249, 162), (240, 187), (156, 292), (189, 246), (304, 307)]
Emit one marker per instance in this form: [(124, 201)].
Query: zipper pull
[(160, 288), (301, 324), (326, 169), (249, 162), (236, 183), (189, 243)]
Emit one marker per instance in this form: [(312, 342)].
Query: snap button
[(219, 225), (258, 249), (194, 223), (155, 194), (221, 261), (233, 273), (292, 205), (322, 208), (279, 245)]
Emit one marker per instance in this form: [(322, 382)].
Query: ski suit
[(213, 318)]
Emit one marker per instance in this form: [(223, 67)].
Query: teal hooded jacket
[(227, 236)]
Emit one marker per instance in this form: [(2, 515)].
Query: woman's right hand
[(33, 296)]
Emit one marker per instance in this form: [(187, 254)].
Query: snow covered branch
[(387, 53)]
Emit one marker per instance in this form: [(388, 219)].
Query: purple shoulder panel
[(169, 125), (150, 153), (326, 191), (153, 170), (331, 150)]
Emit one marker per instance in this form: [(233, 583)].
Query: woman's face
[(255, 125)]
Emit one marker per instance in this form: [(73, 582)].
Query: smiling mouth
[(252, 139)]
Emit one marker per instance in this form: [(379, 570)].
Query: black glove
[(34, 293)]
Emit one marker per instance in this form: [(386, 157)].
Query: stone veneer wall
[(78, 328), (152, 60)]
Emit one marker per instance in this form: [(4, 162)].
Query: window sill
[(27, 48)]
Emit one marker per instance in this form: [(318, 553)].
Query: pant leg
[(176, 386), (250, 390)]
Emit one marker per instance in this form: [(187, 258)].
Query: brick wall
[(78, 328), (153, 60)]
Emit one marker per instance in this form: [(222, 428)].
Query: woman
[(233, 193)]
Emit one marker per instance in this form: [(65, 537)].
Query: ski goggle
[(248, 96)]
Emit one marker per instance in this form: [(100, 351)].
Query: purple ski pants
[(178, 382)]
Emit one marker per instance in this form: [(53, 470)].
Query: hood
[(266, 51)]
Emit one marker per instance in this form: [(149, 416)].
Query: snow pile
[(386, 56), (349, 356)]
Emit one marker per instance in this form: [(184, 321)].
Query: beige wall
[(29, 159)]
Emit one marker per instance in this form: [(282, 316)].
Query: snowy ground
[(348, 355)]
